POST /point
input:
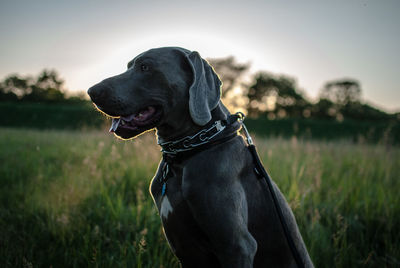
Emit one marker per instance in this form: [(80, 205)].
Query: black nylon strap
[(211, 135), (169, 158), (289, 238)]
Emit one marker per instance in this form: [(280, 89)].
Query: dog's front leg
[(222, 214)]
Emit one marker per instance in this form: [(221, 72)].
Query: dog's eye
[(144, 67)]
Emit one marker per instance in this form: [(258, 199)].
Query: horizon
[(313, 42)]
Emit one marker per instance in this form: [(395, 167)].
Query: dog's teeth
[(122, 122), (114, 125), (140, 115)]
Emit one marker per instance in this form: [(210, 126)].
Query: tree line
[(278, 96), (266, 95), (46, 87)]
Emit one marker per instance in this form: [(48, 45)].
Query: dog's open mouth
[(134, 124)]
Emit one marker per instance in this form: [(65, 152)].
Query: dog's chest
[(180, 228), (165, 208), (169, 201)]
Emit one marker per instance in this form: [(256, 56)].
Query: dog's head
[(159, 84)]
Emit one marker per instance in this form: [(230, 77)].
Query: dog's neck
[(186, 127)]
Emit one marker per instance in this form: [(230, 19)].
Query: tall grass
[(78, 199)]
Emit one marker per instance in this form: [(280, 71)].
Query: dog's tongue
[(142, 116), (134, 120)]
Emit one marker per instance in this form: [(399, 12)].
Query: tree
[(231, 74), (7, 95), (16, 85), (47, 86), (276, 94), (324, 109), (341, 99), (342, 91), (229, 71)]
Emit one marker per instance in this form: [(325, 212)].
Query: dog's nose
[(96, 92)]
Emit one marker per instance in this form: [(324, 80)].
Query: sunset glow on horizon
[(313, 42)]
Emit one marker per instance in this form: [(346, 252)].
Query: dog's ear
[(205, 91)]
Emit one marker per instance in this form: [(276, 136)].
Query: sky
[(313, 41)]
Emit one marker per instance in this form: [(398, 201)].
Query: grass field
[(80, 199)]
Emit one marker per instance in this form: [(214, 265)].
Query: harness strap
[(260, 170)]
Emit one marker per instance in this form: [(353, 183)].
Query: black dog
[(214, 210)]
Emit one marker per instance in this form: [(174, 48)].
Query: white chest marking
[(166, 208)]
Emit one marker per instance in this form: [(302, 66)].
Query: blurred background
[(318, 81), (299, 65)]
